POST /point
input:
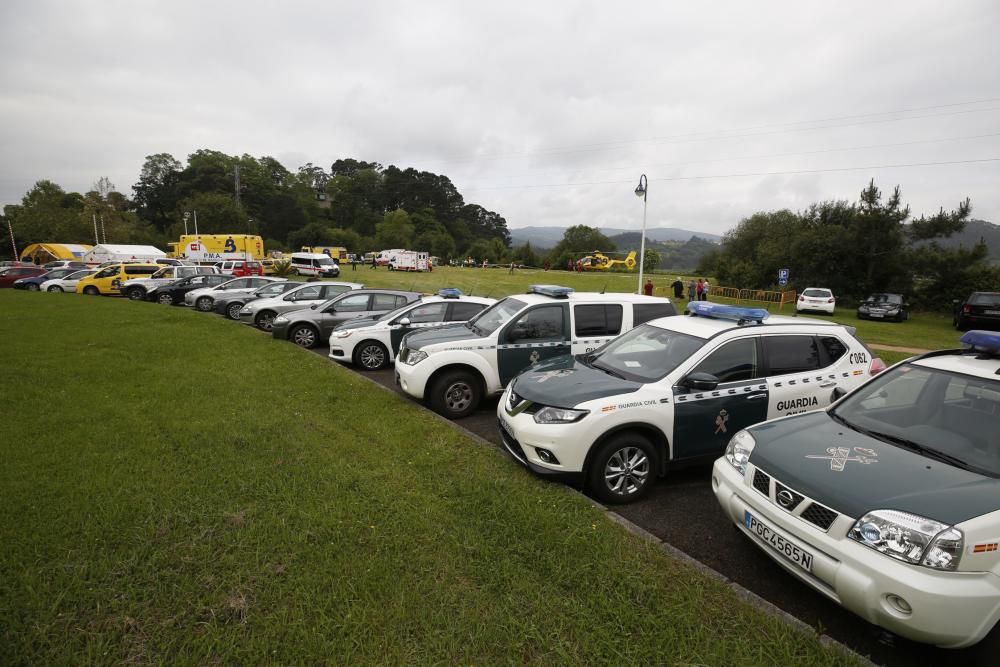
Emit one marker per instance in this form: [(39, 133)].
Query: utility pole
[(104, 232), (12, 244), (97, 239), (196, 224)]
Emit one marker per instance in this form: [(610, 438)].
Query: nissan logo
[(785, 498)]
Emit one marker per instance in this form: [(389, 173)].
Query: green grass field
[(178, 488)]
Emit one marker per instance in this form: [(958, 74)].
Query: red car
[(9, 275)]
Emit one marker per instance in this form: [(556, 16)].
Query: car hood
[(565, 382), (438, 335), (876, 475)]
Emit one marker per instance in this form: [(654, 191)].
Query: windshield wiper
[(921, 449), (609, 371)]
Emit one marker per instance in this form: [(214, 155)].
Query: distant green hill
[(673, 254), (975, 230)]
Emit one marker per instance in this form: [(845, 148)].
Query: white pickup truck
[(137, 288)]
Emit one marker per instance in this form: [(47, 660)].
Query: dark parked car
[(173, 293), (33, 283), (8, 276), (884, 306), (313, 325), (980, 311)]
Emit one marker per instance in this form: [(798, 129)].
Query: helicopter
[(598, 261)]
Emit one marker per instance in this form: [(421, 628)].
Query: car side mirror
[(314, 306), (837, 394), (700, 382), (290, 297), (404, 322)]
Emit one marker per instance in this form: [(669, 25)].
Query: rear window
[(253, 265), (597, 319), (985, 299), (818, 293), (791, 354), (644, 312)]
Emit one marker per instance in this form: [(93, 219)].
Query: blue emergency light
[(721, 311), (555, 291), (450, 292), (981, 341)]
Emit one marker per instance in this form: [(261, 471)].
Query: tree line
[(856, 248)]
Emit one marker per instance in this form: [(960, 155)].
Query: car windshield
[(394, 313), (895, 299), (324, 261), (275, 289), (165, 272), (950, 417), (817, 293), (644, 354), (985, 299), (77, 275), (496, 316)]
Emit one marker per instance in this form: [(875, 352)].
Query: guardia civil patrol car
[(673, 391), (887, 502), (373, 344), (452, 368)]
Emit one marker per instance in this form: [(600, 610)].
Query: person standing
[(374, 262), (699, 288), (704, 290), (354, 262), (678, 287), (647, 289), (691, 290)]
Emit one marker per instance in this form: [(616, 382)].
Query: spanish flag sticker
[(985, 547)]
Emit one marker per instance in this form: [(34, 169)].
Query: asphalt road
[(683, 511)]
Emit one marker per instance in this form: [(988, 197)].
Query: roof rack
[(450, 293), (721, 311), (554, 291)]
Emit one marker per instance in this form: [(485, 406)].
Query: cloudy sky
[(546, 112)]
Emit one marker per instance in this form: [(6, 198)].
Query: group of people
[(697, 291)]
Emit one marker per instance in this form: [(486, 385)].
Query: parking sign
[(782, 277)]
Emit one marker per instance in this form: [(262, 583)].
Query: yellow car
[(109, 279)]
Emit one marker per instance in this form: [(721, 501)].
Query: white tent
[(106, 252)]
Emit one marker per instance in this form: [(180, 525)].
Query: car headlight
[(739, 449), (342, 334), (910, 538), (245, 310), (281, 319), (415, 357), (549, 415)]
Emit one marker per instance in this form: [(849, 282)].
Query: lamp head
[(640, 190)]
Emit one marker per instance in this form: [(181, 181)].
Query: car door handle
[(756, 397), (828, 384)]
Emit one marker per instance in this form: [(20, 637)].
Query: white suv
[(452, 368), (672, 392), (887, 502)]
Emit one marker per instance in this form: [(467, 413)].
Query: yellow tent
[(40, 253)]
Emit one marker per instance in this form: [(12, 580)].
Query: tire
[(265, 320), (623, 469), (165, 299), (90, 290), (203, 304), (304, 335), (455, 394), (233, 311), (135, 293), (371, 355), (32, 287), (54, 288), (961, 324)]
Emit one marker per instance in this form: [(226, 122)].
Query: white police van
[(452, 368), (373, 343), (673, 391), (888, 502)]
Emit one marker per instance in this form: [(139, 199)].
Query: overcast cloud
[(546, 112)]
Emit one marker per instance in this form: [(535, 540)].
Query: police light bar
[(982, 341), (555, 291), (450, 292), (721, 311)]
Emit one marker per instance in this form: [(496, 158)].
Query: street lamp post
[(640, 191)]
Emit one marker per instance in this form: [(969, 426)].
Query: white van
[(314, 264)]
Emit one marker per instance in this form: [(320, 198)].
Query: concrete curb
[(748, 596)]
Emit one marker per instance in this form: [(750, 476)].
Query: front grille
[(511, 444), (782, 492), (762, 482), (819, 516)]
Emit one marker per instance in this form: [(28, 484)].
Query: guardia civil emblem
[(720, 422), (534, 356)]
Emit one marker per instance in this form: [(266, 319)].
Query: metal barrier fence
[(738, 295)]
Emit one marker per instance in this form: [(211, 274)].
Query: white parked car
[(887, 502), (374, 344), (67, 284), (261, 313), (816, 299), (203, 298), (672, 392)]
